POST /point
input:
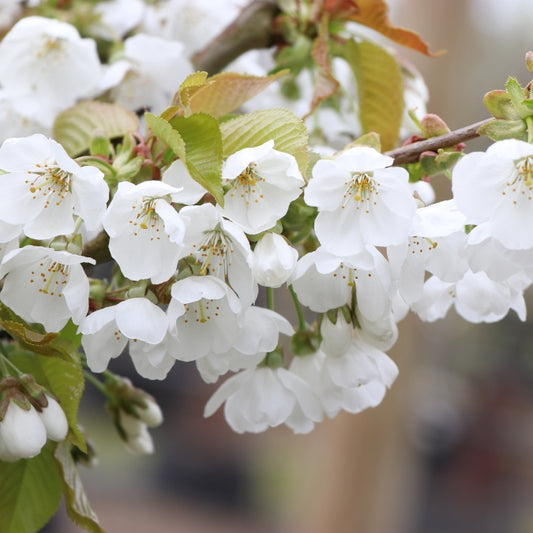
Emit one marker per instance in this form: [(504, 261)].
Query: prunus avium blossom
[(155, 205)]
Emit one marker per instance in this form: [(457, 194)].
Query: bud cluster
[(28, 418)]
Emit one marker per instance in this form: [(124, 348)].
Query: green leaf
[(517, 96), (166, 133), (500, 105), (284, 127), (380, 90), (33, 338), (498, 130), (75, 127), (78, 507), (203, 151), (64, 379), (30, 492)]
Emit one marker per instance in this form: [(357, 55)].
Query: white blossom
[(257, 335), (45, 66), (220, 248), (46, 286), (323, 281), (107, 331), (204, 317), (145, 230), (496, 187), (43, 189), (262, 183), (263, 397), (361, 201)]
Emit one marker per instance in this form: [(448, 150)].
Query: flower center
[(245, 184), (50, 182), (201, 311), (214, 253), (145, 217), (520, 184), (362, 188), (51, 277)]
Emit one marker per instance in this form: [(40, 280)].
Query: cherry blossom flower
[(475, 297), (263, 397), (496, 187), (263, 182), (45, 66), (361, 200), (333, 398), (258, 334), (43, 188), (107, 331), (323, 281), (145, 231), (46, 286), (436, 244), (204, 317), (221, 249)]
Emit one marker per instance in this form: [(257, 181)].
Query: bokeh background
[(451, 447)]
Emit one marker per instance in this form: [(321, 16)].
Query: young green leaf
[(166, 133), (30, 492), (253, 129), (203, 151), (75, 127), (78, 507), (380, 89)]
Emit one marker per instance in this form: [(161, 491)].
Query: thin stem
[(253, 28), (270, 298), (96, 382), (411, 152), (302, 325)]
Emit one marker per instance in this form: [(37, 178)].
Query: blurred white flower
[(45, 67)]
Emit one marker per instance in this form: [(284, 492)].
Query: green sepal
[(305, 342), (30, 492), (370, 139)]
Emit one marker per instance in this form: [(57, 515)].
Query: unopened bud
[(529, 61), (22, 433), (54, 420)]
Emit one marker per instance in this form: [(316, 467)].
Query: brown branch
[(410, 153), (253, 28)]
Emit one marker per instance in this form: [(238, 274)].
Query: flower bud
[(151, 415), (274, 261), (336, 338), (54, 420), (135, 434), (22, 433)]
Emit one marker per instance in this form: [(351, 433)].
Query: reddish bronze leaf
[(325, 84)]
